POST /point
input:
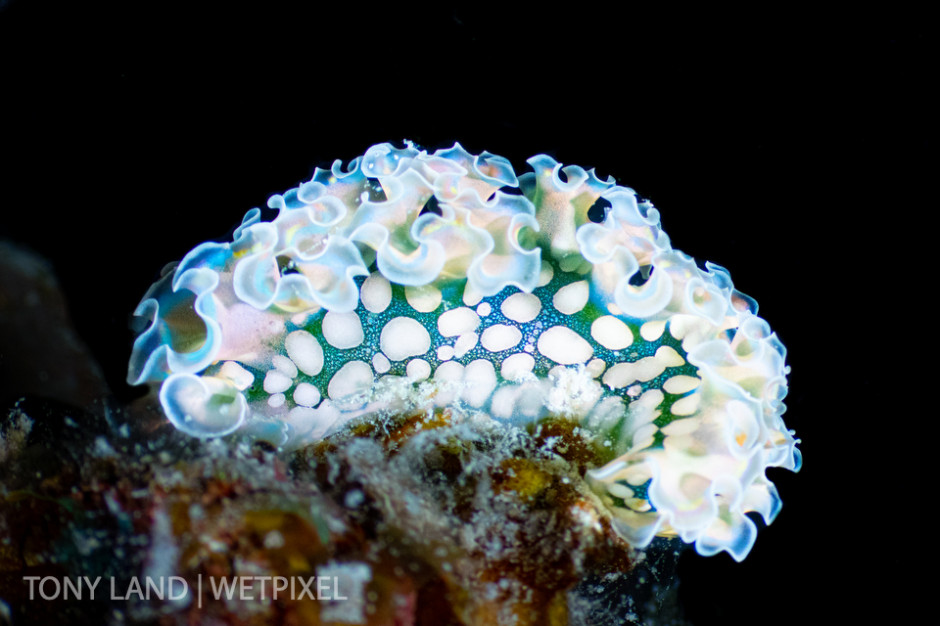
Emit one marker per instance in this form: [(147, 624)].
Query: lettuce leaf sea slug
[(413, 281)]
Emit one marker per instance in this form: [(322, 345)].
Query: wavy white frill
[(709, 469)]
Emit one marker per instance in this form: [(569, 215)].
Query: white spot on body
[(480, 377), (611, 333), (571, 298), (619, 491), (681, 384), (521, 307), (418, 369), (465, 343), (681, 427), (484, 309), (651, 331), (403, 337), (517, 366), (639, 504), (342, 330), (352, 378), (380, 363), (563, 345), (643, 437), (669, 356), (445, 353), (687, 405), (623, 374), (450, 371), (457, 322), (306, 394), (649, 401), (647, 368), (284, 365), (277, 400), (276, 382), (596, 367), (305, 351), (376, 293), (500, 337)]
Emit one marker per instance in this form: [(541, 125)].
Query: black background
[(790, 148)]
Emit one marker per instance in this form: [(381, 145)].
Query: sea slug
[(414, 280)]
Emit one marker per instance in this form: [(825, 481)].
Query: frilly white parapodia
[(411, 280)]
